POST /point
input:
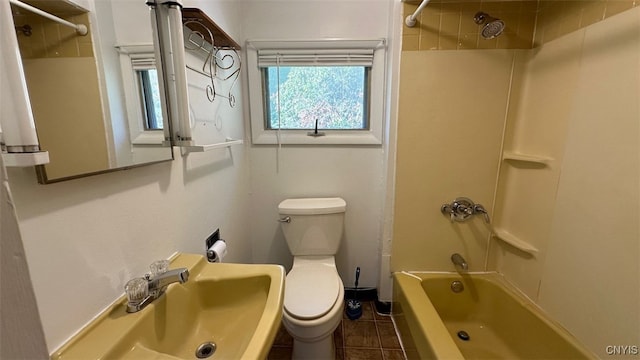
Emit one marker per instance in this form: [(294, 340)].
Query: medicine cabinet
[(107, 99), (77, 89)]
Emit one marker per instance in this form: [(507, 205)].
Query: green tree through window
[(334, 95)]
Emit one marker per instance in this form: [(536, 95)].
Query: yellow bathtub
[(488, 319)]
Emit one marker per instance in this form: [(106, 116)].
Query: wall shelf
[(220, 51), (527, 158), (194, 16), (514, 241), (25, 159), (209, 147)]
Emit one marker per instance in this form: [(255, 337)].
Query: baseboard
[(383, 307), (362, 294)]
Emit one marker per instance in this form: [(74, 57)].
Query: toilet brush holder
[(354, 307)]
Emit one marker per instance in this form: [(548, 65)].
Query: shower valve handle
[(462, 208)]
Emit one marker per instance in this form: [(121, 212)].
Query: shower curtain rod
[(80, 28), (410, 21)]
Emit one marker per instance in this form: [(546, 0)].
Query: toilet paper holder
[(214, 253), (217, 251)]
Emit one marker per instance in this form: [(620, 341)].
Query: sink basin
[(235, 307)]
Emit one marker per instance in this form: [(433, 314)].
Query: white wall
[(21, 334), (354, 173), (85, 238)]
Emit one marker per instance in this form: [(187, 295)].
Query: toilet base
[(322, 349)]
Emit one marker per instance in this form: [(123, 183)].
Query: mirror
[(94, 98)]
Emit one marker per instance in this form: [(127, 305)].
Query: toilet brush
[(354, 308)]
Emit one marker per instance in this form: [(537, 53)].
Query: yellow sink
[(237, 307)]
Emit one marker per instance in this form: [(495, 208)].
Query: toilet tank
[(315, 226)]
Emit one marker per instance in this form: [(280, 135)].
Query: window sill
[(294, 137), (149, 138)]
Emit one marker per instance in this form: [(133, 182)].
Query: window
[(331, 97), (336, 87), (150, 99), (142, 94)]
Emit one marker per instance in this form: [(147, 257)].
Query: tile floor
[(371, 337)]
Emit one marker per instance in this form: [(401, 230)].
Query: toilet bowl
[(313, 305), (314, 292)]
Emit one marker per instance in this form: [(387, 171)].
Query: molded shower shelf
[(533, 159), (514, 241)]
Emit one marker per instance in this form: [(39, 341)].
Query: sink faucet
[(142, 291), (459, 261)]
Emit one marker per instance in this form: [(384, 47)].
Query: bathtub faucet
[(459, 261)]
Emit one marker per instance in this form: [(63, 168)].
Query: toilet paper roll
[(217, 251)]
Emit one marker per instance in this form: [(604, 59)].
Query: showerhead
[(492, 27)]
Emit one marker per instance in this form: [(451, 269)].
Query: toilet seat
[(311, 291)]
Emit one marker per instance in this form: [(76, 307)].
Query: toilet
[(314, 293)]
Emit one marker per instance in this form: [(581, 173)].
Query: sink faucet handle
[(138, 296), (136, 289), (159, 267)]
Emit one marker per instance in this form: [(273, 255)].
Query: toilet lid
[(311, 291)]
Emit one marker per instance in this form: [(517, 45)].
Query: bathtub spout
[(459, 261)]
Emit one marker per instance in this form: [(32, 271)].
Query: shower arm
[(410, 20), (81, 29)]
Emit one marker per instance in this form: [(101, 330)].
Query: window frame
[(373, 135), (138, 132)]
